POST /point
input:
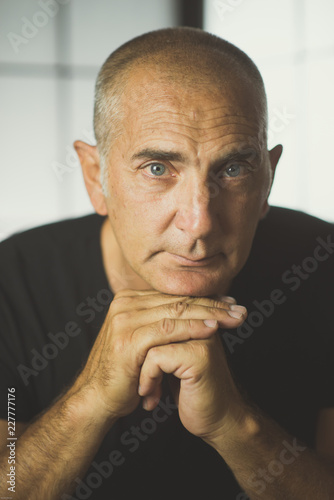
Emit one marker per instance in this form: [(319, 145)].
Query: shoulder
[(33, 244), (288, 235), (39, 258), (55, 232), (291, 249), (286, 223)]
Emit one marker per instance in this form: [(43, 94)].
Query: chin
[(189, 283)]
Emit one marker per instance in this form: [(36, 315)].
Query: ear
[(90, 164), (274, 156)]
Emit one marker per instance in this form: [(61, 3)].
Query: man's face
[(188, 182)]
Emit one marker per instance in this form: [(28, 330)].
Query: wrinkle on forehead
[(197, 114), (153, 107), (201, 128), (166, 118)]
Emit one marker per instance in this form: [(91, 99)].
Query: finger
[(128, 300), (226, 318), (150, 379), (152, 400), (168, 330), (176, 359), (227, 299)]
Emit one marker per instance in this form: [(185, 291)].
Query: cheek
[(254, 196), (136, 219), (240, 210), (239, 204)]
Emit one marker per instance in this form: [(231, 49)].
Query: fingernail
[(211, 323), (234, 314), (228, 299), (237, 311)]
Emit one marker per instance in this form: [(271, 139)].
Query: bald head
[(189, 57)]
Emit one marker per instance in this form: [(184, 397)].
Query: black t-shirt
[(54, 296)]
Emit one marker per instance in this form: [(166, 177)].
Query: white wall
[(51, 51), (292, 43)]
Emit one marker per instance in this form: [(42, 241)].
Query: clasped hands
[(147, 334)]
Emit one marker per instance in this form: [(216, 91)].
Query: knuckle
[(178, 308), (216, 304), (167, 325), (153, 353), (216, 312), (119, 319), (192, 324)]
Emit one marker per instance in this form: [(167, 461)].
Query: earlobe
[(274, 156), (90, 165), (265, 209)]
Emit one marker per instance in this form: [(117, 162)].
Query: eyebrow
[(174, 156), (158, 154), (238, 155)]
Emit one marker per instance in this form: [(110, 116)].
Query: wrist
[(84, 402), (239, 427)]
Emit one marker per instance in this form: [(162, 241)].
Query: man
[(133, 369)]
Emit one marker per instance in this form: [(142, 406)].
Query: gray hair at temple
[(187, 55)]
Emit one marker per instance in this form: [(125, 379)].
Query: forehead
[(156, 107)]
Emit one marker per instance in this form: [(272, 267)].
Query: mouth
[(188, 262)]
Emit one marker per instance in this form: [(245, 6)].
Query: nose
[(194, 210)]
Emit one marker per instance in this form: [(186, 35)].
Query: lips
[(191, 262)]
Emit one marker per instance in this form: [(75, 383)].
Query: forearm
[(270, 464), (56, 449)]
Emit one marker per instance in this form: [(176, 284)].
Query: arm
[(66, 436), (267, 462)]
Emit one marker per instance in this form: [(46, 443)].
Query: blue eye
[(233, 170), (157, 169)]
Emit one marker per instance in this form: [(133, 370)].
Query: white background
[(47, 83)]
